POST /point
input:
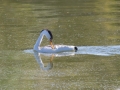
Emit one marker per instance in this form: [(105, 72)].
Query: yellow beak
[(51, 44)]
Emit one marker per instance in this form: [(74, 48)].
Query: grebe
[(51, 48)]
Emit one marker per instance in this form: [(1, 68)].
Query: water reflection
[(40, 62), (51, 55)]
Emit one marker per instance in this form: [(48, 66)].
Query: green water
[(72, 22)]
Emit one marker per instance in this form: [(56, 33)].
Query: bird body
[(57, 49)]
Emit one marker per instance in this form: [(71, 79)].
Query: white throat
[(39, 40)]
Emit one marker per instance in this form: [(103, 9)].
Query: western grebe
[(51, 48)]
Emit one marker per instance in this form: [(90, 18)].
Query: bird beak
[(51, 44)]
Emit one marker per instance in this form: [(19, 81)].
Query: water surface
[(92, 25)]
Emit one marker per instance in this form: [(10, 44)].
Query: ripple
[(86, 50)]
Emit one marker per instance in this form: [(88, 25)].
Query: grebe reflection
[(40, 62)]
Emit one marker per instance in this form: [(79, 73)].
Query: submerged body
[(51, 48)]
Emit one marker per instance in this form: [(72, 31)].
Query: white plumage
[(57, 48), (51, 48)]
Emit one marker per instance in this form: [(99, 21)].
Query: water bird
[(51, 48)]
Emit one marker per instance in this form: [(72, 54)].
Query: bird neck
[(38, 42)]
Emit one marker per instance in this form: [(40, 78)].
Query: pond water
[(91, 25)]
